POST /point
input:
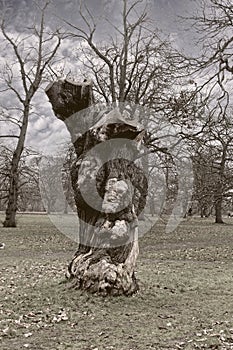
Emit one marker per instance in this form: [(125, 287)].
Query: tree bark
[(10, 218), (218, 211), (12, 200), (108, 238), (219, 191)]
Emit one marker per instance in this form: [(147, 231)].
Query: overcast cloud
[(44, 129)]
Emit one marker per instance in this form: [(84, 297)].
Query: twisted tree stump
[(108, 238)]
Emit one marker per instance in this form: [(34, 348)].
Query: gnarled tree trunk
[(105, 151)]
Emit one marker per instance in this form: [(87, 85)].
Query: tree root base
[(101, 277)]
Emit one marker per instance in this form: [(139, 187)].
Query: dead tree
[(108, 234)]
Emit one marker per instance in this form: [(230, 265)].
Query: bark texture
[(106, 257), (10, 219), (218, 211)]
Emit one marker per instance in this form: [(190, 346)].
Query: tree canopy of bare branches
[(133, 64)]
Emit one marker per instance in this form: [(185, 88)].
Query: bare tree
[(28, 181), (134, 67), (29, 197), (132, 64), (33, 51), (212, 69), (213, 24), (213, 166)]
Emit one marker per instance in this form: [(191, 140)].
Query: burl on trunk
[(109, 186)]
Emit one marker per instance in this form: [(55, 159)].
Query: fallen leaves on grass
[(212, 338)]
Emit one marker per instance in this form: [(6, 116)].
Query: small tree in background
[(33, 52)]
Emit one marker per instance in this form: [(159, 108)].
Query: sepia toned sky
[(165, 13), (44, 129)]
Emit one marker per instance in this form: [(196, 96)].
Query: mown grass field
[(185, 300)]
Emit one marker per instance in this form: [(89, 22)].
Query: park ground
[(185, 299)]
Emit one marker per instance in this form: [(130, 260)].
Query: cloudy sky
[(44, 129)]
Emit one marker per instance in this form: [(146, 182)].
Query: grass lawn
[(185, 299)]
